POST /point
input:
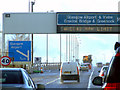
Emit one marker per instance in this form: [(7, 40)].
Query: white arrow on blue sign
[(20, 50)]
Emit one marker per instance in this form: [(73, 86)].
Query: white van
[(69, 71)]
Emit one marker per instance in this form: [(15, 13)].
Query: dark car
[(16, 78), (112, 78)]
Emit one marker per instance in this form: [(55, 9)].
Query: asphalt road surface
[(51, 79)]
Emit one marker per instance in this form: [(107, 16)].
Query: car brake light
[(61, 70), (112, 86), (77, 71), (102, 74), (118, 54)]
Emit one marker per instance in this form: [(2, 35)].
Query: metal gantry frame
[(70, 45)]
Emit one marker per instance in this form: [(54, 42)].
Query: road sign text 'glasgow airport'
[(20, 50), (98, 22)]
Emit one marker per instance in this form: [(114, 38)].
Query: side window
[(11, 77)]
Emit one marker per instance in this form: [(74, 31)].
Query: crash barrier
[(41, 68), (35, 67)]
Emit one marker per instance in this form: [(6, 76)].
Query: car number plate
[(68, 72)]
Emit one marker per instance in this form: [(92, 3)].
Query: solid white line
[(90, 79), (52, 81)]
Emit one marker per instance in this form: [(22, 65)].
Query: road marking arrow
[(24, 54)]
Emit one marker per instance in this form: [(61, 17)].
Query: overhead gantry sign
[(84, 22)]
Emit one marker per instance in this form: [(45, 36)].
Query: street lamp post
[(60, 49), (66, 47), (69, 47), (47, 49), (32, 3)]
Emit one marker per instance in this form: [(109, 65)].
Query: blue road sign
[(20, 50), (88, 18)]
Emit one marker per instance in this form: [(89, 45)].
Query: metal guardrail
[(44, 65)]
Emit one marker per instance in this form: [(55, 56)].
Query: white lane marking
[(52, 81), (90, 79)]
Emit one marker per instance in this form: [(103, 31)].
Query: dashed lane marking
[(52, 81), (90, 79)]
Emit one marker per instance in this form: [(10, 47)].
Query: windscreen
[(84, 65), (105, 68), (69, 67), (11, 77)]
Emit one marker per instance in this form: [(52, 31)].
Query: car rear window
[(105, 68), (114, 74), (11, 77), (69, 67), (84, 65)]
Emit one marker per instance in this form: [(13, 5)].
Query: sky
[(99, 45), (58, 6)]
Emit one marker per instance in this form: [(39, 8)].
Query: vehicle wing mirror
[(40, 87), (97, 81)]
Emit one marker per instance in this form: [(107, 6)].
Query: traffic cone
[(41, 70)]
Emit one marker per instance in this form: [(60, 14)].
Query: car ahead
[(112, 78), (17, 78), (99, 64), (89, 65), (69, 71), (84, 67), (107, 64), (103, 71)]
